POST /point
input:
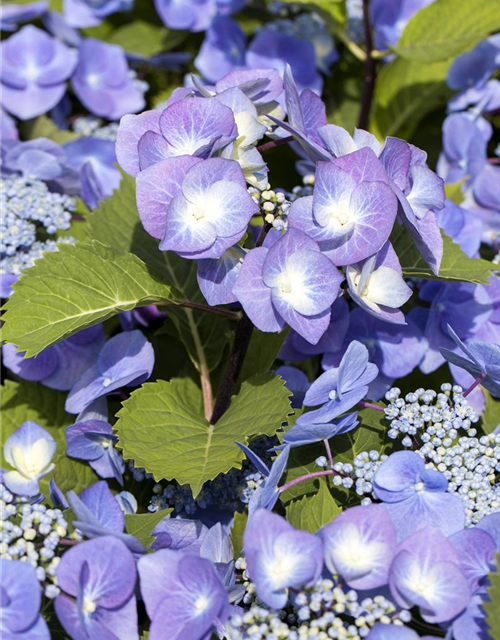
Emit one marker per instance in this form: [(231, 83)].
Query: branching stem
[(476, 382), (370, 405), (308, 476), (274, 143)]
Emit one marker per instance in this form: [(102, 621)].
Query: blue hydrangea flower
[(99, 514), (416, 497), (11, 15), (390, 18), (476, 551), (127, 359), (464, 148), (102, 81), (60, 366), (279, 557), (188, 127), (217, 278), (87, 13), (20, 604), (182, 593), (29, 451), (98, 579), (94, 158), (93, 440), (222, 50), (341, 214), (34, 71), (359, 545), (308, 432), (209, 213), (426, 573), (482, 360), (179, 534), (292, 282), (340, 389)]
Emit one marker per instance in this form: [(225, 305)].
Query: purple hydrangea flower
[(127, 359), (34, 71), (279, 557), (88, 13), (464, 148), (272, 49), (8, 128), (222, 50), (57, 496), (209, 213), (98, 579), (216, 278), (179, 534), (296, 348), (309, 432), (293, 283), (350, 215), (99, 514), (189, 127), (482, 360), (102, 81), (476, 551), (462, 225), (11, 15), (94, 159), (29, 451), (382, 631), (190, 15), (93, 440), (267, 493), (262, 85), (20, 604), (340, 389), (296, 381), (416, 497), (377, 285), (390, 18), (474, 67), (471, 623), (359, 545), (46, 160), (395, 351), (182, 593), (60, 366), (426, 573)]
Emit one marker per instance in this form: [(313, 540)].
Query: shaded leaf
[(490, 419), (74, 288), (313, 512), (455, 265), (141, 525), (262, 352), (492, 608), (446, 28), (237, 531)]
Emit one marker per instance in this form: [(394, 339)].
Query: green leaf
[(237, 531), (405, 92), (454, 191), (76, 287), (44, 127), (490, 419), (141, 525), (455, 265), (262, 352), (116, 223), (329, 9), (492, 608), (313, 512), (447, 28), (73, 475), (25, 401), (370, 434), (161, 427)]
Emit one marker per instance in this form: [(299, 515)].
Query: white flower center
[(89, 606)]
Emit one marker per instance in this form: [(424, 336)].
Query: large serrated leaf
[(313, 512), (455, 265), (161, 427), (406, 91), (447, 28), (74, 288), (492, 608)]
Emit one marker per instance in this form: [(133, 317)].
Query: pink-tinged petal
[(254, 295), (186, 229), (130, 131), (156, 187), (363, 165), (196, 124)]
